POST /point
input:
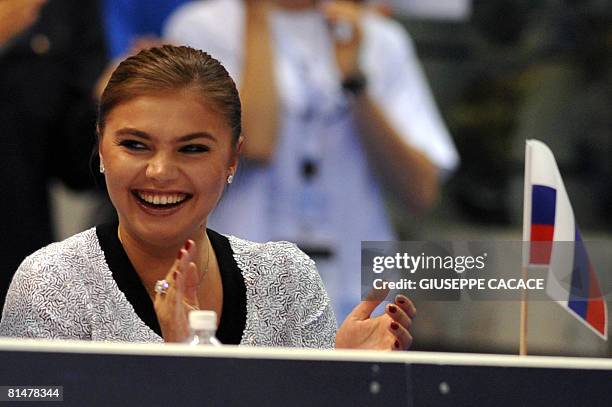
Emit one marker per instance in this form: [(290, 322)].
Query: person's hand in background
[(17, 16), (344, 17)]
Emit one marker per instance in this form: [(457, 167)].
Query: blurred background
[(502, 71)]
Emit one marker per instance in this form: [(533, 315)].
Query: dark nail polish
[(174, 275), (180, 254), (396, 344), (401, 300), (392, 309), (187, 244), (394, 326)]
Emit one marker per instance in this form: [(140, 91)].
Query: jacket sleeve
[(41, 303), (312, 310)]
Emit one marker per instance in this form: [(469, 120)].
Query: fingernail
[(174, 275), (392, 309), (396, 344), (187, 244), (394, 326), (400, 299), (180, 254)]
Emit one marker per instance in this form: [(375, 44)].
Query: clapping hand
[(389, 331), (172, 306)]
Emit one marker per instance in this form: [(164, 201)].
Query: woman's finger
[(166, 301), (186, 254), (173, 306), (402, 336), (398, 315), (191, 284), (364, 309), (405, 304)]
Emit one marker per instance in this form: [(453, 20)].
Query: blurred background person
[(336, 108), (51, 53)]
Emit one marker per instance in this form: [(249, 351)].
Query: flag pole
[(523, 329), (526, 238)]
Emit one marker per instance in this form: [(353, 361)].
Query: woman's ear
[(239, 145), (234, 160), (102, 169), (236, 154)]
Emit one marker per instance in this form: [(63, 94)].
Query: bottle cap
[(203, 320)]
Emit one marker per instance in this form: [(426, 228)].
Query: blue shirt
[(125, 20)]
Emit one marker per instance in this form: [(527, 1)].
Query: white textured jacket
[(68, 290)]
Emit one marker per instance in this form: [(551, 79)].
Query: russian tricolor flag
[(548, 220)]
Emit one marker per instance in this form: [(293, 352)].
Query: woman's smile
[(160, 202)]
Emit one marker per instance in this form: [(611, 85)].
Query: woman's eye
[(133, 145), (194, 148)]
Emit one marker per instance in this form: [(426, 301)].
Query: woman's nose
[(162, 168)]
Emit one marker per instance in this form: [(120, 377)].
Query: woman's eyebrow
[(128, 131), (193, 136)]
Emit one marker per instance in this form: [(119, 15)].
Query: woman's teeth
[(165, 199)]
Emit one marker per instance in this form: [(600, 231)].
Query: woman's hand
[(173, 306), (389, 331)]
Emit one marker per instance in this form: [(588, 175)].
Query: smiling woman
[(167, 158), (169, 141)]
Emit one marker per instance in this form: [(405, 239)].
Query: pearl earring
[(102, 169), (230, 178)]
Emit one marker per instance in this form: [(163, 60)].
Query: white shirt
[(342, 204)]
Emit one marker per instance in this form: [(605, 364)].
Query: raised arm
[(412, 174), (258, 90), (17, 16)]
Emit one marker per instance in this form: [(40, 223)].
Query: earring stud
[(102, 169), (230, 178)]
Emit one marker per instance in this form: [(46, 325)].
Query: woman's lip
[(159, 211), (160, 192), (157, 196)]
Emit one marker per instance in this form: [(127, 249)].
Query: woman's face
[(167, 158)]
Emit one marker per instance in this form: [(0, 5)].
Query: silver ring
[(161, 286)]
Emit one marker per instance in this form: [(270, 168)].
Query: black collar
[(233, 317)]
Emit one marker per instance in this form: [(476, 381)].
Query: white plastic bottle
[(203, 326)]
